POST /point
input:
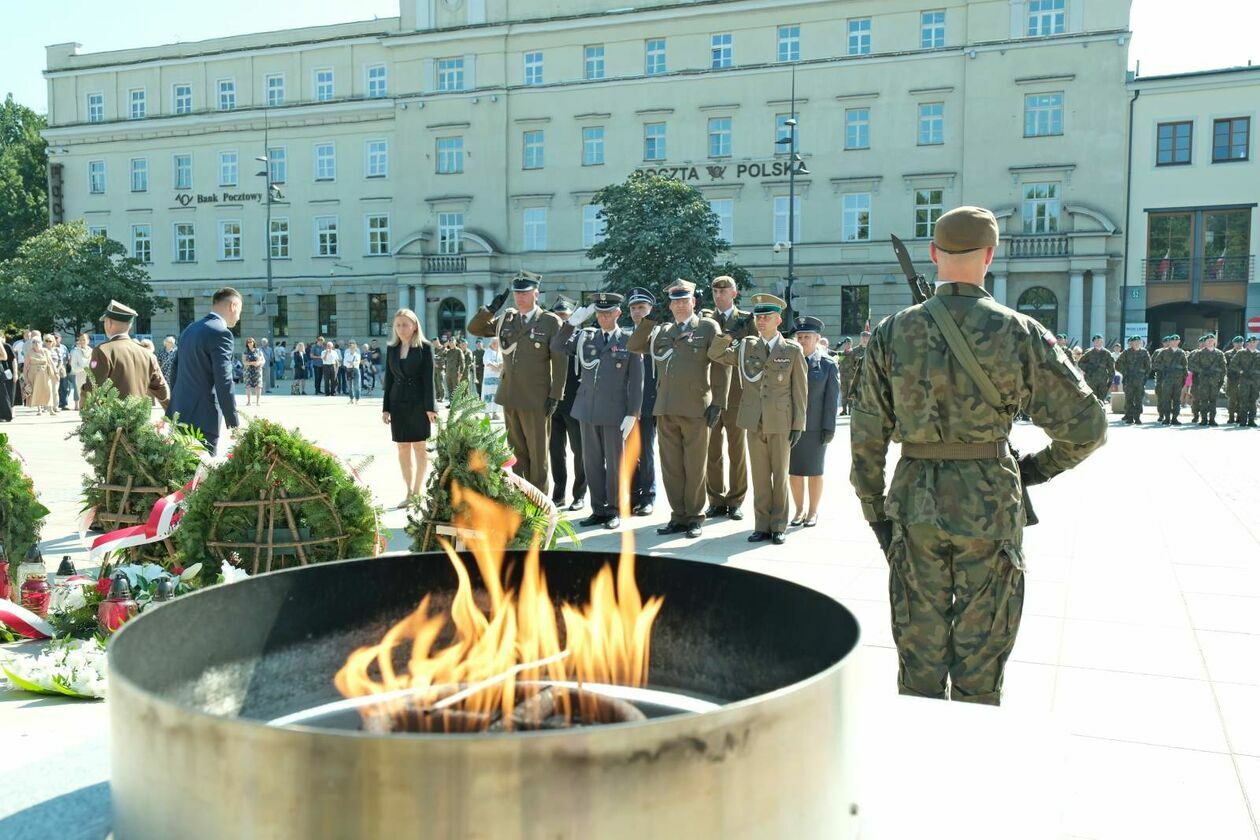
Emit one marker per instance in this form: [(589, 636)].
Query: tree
[(657, 230), (23, 180), (63, 278)]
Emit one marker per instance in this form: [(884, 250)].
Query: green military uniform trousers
[(1208, 395), (528, 433), (769, 454), (727, 441), (1168, 395), (1134, 394), (453, 378), (683, 443), (956, 605), (1101, 386)]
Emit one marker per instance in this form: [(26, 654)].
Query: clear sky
[(1170, 36)]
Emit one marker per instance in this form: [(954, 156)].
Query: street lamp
[(273, 193), (796, 166)]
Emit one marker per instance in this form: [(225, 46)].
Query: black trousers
[(643, 488), (330, 380), (564, 429)]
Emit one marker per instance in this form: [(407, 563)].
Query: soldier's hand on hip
[(1029, 475), (711, 415), (883, 533), (794, 437), (551, 406), (497, 302)]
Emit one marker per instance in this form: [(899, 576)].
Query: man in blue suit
[(201, 381)]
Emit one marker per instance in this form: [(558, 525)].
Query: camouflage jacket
[(852, 370), (1245, 367), (1210, 365), (1172, 363), (1134, 365), (1097, 364), (914, 390)]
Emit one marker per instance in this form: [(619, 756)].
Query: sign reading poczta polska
[(721, 172)]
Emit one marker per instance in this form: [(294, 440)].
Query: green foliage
[(266, 459), (23, 182), (63, 278), (21, 514)]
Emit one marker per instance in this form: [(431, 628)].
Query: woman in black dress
[(410, 406), (8, 375), (810, 452)]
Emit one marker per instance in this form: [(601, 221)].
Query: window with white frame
[(1043, 114), (182, 96), (229, 239), (227, 94), (783, 131), (377, 234), (142, 243), (859, 36), (275, 90), (377, 158), (534, 68), (594, 228), (325, 162), (789, 45), (450, 155), (139, 175), (932, 29), (724, 209), (654, 141), (98, 230), (532, 149), (931, 123), (323, 84), (278, 163), (185, 242), (534, 224), (593, 145), (278, 239), (857, 128), (929, 204), (1041, 208), (855, 217), (182, 172), (654, 56), (450, 232), (326, 236), (721, 51), (95, 107), (377, 81), (138, 106), (781, 218), (96, 177), (593, 61), (1045, 17), (719, 137), (229, 169), (450, 73)]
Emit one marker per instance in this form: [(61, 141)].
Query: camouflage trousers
[(1206, 395), (956, 605), (1101, 386), (1168, 397), (1134, 394), (1231, 396)]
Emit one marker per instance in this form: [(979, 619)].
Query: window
[(275, 90), (452, 316), (1173, 146), (450, 72), (1043, 114), (376, 81), (327, 315), (724, 209), (789, 48), (719, 137), (450, 155), (654, 141), (229, 240), (185, 242), (377, 158), (139, 174), (594, 228), (323, 85), (187, 308), (654, 56), (855, 215), (1226, 246), (280, 321), (142, 243), (450, 232), (326, 236), (533, 68), (278, 239), (183, 99), (860, 36), (855, 309), (931, 123), (137, 104), (928, 207), (229, 169), (379, 322), (227, 94), (98, 231), (278, 163), (783, 132), (857, 128), (1230, 139), (781, 218), (325, 162), (1045, 17), (721, 52), (1041, 305), (593, 146), (932, 29), (532, 144), (377, 235), (1041, 208), (95, 107), (96, 177), (535, 227), (594, 62), (183, 172)]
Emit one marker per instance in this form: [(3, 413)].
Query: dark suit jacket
[(201, 382)]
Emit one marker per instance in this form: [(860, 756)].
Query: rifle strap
[(963, 353)]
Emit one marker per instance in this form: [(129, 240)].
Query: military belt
[(994, 450)]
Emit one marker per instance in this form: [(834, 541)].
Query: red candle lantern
[(6, 589), (35, 591), (118, 607)]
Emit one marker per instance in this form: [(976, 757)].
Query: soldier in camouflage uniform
[(1169, 365), (1245, 368), (854, 361), (952, 522), (1134, 365), (1192, 366), (1098, 366), (842, 364), (439, 368), (1231, 386), (1209, 376)]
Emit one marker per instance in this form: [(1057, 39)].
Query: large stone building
[(425, 158)]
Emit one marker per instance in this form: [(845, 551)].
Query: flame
[(464, 667)]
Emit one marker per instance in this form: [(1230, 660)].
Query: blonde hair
[(417, 339)]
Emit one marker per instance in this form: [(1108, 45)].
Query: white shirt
[(331, 356), (351, 359), (728, 313), (774, 342), (528, 318)]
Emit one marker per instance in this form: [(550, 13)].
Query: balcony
[(1041, 246), (1240, 269), (449, 264)]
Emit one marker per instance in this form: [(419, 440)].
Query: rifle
[(920, 289)]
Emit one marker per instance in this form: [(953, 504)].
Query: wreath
[(21, 514)]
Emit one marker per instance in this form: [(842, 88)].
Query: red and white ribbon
[(162, 521), (21, 620)]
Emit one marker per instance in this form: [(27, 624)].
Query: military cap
[(119, 312), (526, 281), (767, 304), (680, 289), (1095, 337), (562, 305), (1252, 338), (1202, 339), (723, 281), (1238, 339), (641, 295), (1135, 338), (809, 324), (846, 339), (1209, 335), (966, 229), (1174, 337), (606, 301)]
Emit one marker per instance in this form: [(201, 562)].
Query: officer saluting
[(532, 382), (772, 407), (134, 371), (608, 399)]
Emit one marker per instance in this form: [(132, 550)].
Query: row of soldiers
[(453, 363)]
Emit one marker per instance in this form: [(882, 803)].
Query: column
[(1098, 305), (999, 288), (471, 305), (1076, 308), (417, 305)]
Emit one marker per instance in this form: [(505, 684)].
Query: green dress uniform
[(728, 443), (1134, 365), (1098, 366)]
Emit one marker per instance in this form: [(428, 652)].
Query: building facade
[(1193, 225), (424, 159)]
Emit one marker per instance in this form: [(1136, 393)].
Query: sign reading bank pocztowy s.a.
[(184, 199), (708, 172)]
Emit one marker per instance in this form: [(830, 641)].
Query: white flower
[(231, 573)]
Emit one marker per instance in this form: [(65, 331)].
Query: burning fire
[(469, 669)]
